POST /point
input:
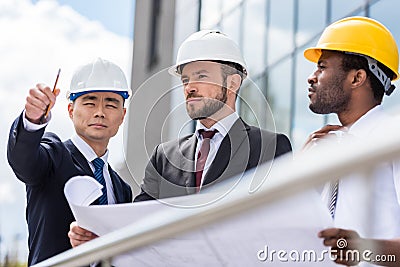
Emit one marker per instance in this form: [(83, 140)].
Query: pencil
[(54, 91)]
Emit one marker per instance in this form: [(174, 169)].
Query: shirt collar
[(86, 150), (223, 126), (368, 122)]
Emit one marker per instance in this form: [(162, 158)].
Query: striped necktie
[(98, 175), (334, 190)]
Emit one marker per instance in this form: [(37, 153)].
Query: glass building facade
[(272, 35)]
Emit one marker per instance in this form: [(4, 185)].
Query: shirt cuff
[(32, 127)]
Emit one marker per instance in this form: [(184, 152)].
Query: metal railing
[(287, 177)]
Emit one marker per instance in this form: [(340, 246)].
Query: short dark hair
[(230, 68), (227, 67), (356, 62)]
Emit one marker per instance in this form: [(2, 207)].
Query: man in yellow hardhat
[(44, 163), (357, 59)]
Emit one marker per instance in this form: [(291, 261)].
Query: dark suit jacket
[(170, 171), (45, 164)]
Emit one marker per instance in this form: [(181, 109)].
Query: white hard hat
[(98, 76), (208, 45)]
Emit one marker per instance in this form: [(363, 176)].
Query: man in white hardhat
[(44, 163), (211, 68)]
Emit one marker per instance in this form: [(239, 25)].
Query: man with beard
[(357, 58), (211, 69)]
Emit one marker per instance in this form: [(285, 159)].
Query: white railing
[(307, 170)]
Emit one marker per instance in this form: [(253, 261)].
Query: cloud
[(37, 39), (6, 194)]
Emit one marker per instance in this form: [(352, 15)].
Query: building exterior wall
[(149, 104), (272, 35)]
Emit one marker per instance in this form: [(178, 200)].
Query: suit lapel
[(227, 151), (83, 164), (117, 186), (78, 158), (188, 149)]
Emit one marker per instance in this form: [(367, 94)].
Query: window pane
[(386, 12), (310, 22), (254, 108), (280, 33), (230, 25), (342, 8), (278, 94), (254, 36)]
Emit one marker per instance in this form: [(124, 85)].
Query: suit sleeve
[(283, 145), (151, 180), (272, 145), (30, 155)]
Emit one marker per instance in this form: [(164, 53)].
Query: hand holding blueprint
[(281, 234)]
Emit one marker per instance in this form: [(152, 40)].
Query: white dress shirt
[(223, 126), (370, 206), (90, 155)]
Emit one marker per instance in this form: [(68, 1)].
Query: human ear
[(359, 77), (233, 82), (70, 109)]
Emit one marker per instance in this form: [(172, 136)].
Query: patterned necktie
[(334, 190), (202, 155), (334, 185), (98, 175)]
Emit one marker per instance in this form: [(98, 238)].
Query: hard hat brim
[(313, 54), (174, 70), (72, 96)]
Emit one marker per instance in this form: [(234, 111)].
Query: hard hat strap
[(378, 72), (382, 77)]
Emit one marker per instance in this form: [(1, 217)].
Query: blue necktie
[(98, 175)]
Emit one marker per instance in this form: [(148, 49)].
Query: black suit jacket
[(171, 171), (45, 164)]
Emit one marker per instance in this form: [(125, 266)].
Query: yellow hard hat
[(359, 35)]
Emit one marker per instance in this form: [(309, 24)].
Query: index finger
[(78, 230), (45, 89), (329, 233), (327, 128), (338, 233)]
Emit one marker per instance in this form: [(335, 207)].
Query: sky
[(38, 37)]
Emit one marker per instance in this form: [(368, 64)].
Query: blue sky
[(115, 15), (38, 38)]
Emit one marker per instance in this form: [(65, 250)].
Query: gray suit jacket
[(171, 170)]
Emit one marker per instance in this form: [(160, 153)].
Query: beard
[(210, 105), (331, 97)]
